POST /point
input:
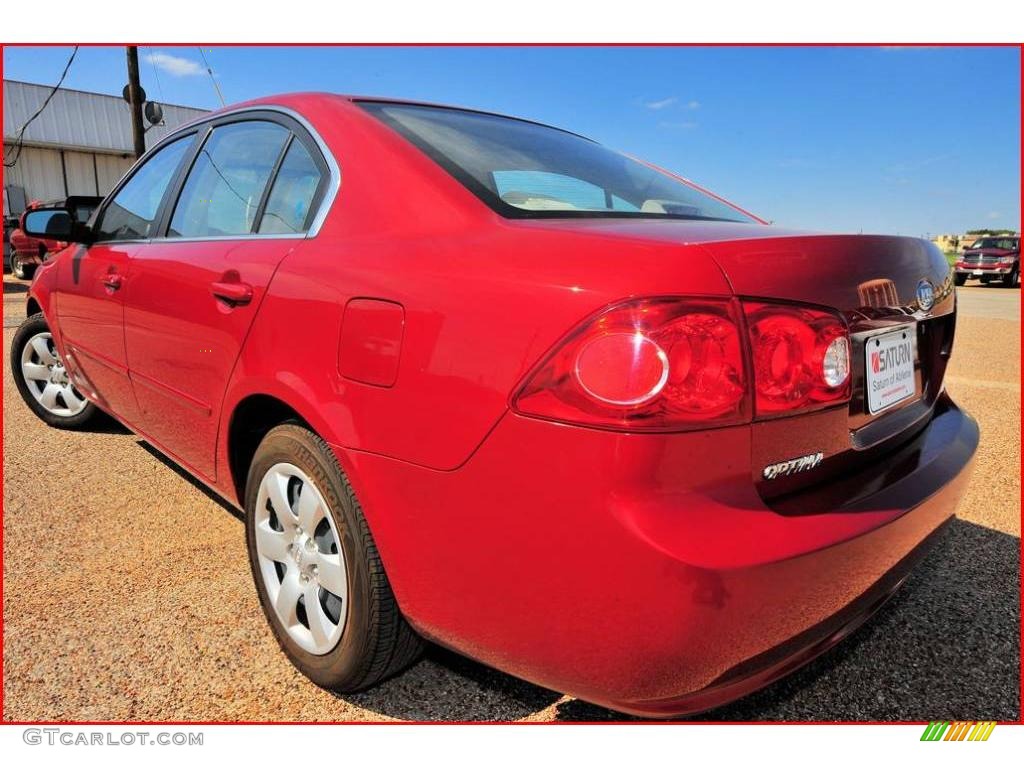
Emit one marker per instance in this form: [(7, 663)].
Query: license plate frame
[(890, 379)]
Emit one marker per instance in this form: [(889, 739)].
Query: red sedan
[(484, 382)]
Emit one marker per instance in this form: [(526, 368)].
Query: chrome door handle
[(112, 281)]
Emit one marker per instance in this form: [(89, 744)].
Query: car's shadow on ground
[(185, 475), (15, 287), (105, 424), (947, 646)]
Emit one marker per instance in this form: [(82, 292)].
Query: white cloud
[(693, 104), (174, 65), (661, 103), (993, 215)]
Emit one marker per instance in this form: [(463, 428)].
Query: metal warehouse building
[(81, 144)]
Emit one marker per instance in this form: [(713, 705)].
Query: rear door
[(91, 287), (245, 201)]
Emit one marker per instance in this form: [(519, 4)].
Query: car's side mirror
[(54, 224)]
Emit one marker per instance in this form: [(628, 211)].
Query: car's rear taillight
[(801, 357), (668, 364), (660, 364)]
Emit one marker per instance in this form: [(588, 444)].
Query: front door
[(196, 290), (92, 287)]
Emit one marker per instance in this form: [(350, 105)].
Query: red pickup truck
[(990, 259), (28, 252)]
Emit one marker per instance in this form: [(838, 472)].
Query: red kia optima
[(487, 383)]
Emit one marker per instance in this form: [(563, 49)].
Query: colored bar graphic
[(958, 730)]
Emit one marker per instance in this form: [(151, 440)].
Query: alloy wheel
[(47, 378), (301, 560)]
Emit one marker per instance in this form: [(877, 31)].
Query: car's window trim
[(300, 128)]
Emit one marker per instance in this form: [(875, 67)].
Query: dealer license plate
[(978, 272), (889, 358)]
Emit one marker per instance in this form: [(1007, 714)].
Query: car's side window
[(287, 209), (222, 193), (131, 214)]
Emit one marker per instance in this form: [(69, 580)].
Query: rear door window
[(222, 193)]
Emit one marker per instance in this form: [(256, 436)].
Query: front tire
[(43, 381), (1010, 280), (317, 570)]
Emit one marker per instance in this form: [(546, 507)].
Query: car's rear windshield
[(527, 170)]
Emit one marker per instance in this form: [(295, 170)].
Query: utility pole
[(135, 99)]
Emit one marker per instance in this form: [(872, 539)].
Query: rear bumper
[(774, 663), (643, 572)]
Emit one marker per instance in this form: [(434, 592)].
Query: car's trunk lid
[(880, 284)]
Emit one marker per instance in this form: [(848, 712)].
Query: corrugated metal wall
[(77, 119), (38, 172), (93, 130), (81, 175), (110, 169)]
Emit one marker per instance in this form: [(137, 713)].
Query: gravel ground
[(127, 595)]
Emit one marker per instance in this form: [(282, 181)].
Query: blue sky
[(894, 140)]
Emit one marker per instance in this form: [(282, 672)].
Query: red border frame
[(4, 721)]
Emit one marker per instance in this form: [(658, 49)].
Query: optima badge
[(792, 466)]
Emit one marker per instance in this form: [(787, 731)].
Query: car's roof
[(291, 100)]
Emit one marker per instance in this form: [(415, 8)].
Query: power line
[(18, 141), (156, 74), (212, 78)]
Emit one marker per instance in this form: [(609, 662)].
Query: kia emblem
[(925, 295)]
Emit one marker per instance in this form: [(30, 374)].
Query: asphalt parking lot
[(127, 595)]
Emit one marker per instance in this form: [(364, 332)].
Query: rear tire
[(959, 278), (302, 519), (42, 380)]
